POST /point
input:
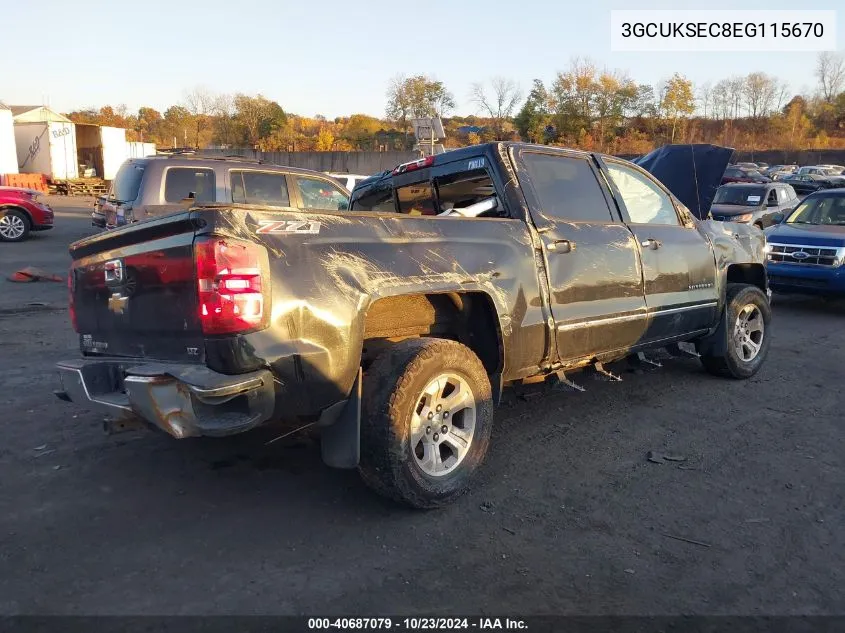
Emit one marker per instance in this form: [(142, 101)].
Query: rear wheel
[(14, 225), (746, 327), (426, 423)]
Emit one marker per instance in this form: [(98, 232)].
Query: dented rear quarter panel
[(324, 281)]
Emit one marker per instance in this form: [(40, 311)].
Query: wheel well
[(469, 318), (12, 207), (751, 274)]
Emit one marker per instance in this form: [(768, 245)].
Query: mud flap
[(715, 344), (340, 435)]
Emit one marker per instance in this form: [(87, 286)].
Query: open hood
[(691, 172)]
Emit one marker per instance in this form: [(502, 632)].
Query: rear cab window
[(181, 182), (376, 196), (462, 188), (416, 199)]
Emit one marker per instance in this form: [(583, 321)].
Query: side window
[(645, 201), (773, 197), (180, 182), (416, 199), (567, 188), (783, 194), (464, 189), (321, 195), (260, 187)]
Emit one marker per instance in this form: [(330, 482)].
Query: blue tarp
[(691, 172)]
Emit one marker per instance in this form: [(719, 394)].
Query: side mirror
[(778, 218)]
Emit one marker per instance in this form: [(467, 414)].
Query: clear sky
[(334, 57)]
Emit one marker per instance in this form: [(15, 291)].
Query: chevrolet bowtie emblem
[(117, 303)]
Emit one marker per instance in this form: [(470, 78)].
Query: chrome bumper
[(183, 400)]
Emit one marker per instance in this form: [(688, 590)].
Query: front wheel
[(426, 423), (746, 328), (14, 225)]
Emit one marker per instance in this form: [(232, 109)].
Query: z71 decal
[(293, 227), (475, 163)]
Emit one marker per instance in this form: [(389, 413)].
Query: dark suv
[(157, 185)]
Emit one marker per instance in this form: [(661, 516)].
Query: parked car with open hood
[(806, 251), (753, 204)]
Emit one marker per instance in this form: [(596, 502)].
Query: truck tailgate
[(134, 291)]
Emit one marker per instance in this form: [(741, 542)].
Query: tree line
[(583, 106)]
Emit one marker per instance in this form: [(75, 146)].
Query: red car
[(21, 212), (738, 174)]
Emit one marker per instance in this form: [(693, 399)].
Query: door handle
[(651, 243), (561, 246)]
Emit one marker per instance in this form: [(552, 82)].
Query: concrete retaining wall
[(362, 163)]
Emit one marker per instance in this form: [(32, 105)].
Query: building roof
[(18, 109), (35, 114)]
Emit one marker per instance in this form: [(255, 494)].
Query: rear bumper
[(181, 399)]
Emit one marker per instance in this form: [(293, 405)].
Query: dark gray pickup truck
[(394, 325)]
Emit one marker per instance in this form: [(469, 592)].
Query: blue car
[(806, 249)]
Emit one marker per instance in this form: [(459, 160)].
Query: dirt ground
[(568, 516)]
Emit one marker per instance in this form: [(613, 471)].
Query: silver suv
[(158, 185)]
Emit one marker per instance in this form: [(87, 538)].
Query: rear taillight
[(232, 293), (71, 300)]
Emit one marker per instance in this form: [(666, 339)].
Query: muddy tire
[(427, 414), (14, 225), (746, 327)]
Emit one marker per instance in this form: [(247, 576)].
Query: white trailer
[(115, 150), (8, 155), (47, 148), (102, 148), (141, 150)]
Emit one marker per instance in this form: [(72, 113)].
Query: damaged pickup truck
[(395, 324)]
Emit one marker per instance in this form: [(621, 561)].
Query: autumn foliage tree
[(583, 106)]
